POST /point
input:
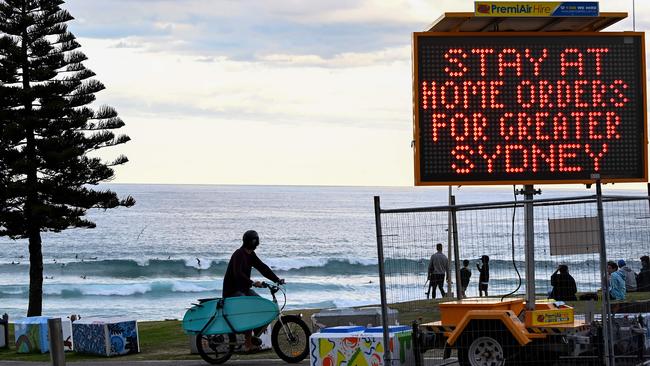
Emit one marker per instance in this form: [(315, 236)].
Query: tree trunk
[(31, 203), (35, 274)]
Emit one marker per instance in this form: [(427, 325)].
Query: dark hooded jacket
[(238, 273), (564, 287), (643, 279)]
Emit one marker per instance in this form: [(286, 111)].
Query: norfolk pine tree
[(47, 131)]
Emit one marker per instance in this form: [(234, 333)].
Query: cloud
[(248, 29), (251, 30), (318, 92), (125, 43), (362, 89), (245, 29), (282, 76), (347, 59)]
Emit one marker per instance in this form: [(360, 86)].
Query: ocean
[(151, 261)]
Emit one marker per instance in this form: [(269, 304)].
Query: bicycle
[(216, 323)]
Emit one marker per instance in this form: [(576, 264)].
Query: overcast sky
[(264, 92)]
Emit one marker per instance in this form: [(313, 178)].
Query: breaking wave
[(284, 267)]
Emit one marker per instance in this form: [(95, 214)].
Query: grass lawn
[(165, 340), (159, 340)]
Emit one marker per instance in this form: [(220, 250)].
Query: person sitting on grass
[(643, 278), (564, 286), (616, 282), (237, 281), (630, 276)]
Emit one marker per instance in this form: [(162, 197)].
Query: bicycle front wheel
[(290, 338), (216, 349)]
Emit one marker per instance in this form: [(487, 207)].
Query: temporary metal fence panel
[(490, 246)]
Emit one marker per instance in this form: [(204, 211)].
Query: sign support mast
[(529, 229), (449, 243)]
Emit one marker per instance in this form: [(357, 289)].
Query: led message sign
[(523, 108)]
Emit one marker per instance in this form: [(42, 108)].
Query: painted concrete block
[(106, 336), (361, 348)]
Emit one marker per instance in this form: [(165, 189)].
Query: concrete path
[(260, 362), (119, 362)]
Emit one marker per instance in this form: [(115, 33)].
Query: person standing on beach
[(643, 278), (438, 266), (484, 275), (237, 281), (465, 274)]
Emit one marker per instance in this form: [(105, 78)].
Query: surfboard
[(244, 313)]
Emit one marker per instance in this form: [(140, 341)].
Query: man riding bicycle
[(237, 281)]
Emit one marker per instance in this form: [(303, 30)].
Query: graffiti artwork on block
[(124, 338), (66, 328), (89, 338), (24, 345), (106, 338), (405, 342), (67, 343), (28, 338), (359, 351)]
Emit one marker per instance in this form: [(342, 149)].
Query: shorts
[(482, 286), (437, 278)]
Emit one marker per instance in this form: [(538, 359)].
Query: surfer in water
[(237, 281)]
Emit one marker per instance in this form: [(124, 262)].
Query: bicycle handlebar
[(271, 285)]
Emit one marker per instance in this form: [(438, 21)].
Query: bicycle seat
[(201, 301)]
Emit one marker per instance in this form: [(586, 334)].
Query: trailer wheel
[(482, 351), (484, 344)]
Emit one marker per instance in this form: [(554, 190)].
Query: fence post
[(382, 282), (57, 354), (454, 227), (606, 309), (529, 229)]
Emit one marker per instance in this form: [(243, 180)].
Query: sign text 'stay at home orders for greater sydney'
[(501, 109)]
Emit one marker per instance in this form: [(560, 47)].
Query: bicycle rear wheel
[(216, 349), (290, 339)]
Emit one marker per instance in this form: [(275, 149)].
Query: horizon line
[(618, 185)]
